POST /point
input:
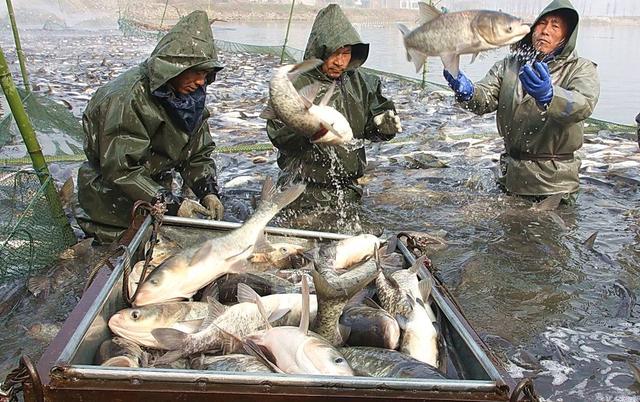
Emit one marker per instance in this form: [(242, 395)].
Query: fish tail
[(280, 198), (303, 67), (404, 31), (168, 358)]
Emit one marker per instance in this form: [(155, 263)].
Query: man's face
[(549, 33), (337, 62), (188, 81)]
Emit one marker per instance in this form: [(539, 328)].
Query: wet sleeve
[(487, 91), (199, 164), (125, 147), (286, 140), (378, 104), (575, 101)]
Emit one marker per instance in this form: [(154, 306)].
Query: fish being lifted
[(464, 32), (320, 123), (182, 275)]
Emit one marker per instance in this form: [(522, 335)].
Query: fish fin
[(262, 245), (268, 113), (169, 338), (263, 312), (278, 313), (403, 29), (39, 284), (232, 257), (327, 96), (323, 287), (167, 358), (428, 13), (589, 243), (202, 253), (309, 93), (550, 203), (402, 321), (66, 192), (214, 290), (418, 58), (473, 57), (189, 326), (246, 294), (425, 288), (216, 309), (344, 332), (253, 349), (268, 189), (451, 63), (370, 303), (417, 264), (304, 316)]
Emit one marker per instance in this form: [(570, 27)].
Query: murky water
[(613, 47), (550, 307)]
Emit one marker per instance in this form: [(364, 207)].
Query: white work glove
[(388, 122), (214, 206)]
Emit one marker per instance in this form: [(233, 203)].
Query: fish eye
[(510, 29), (153, 281), (339, 360), (135, 314)]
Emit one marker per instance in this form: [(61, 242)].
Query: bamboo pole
[(166, 3), (21, 56), (33, 147), (286, 35)]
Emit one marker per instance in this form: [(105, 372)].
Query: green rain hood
[(540, 144), (358, 97), (132, 142)]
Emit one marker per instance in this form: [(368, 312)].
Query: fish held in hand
[(463, 32), (319, 123), (182, 275)]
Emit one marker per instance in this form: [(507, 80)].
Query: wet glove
[(212, 203), (461, 85), (192, 209), (537, 83), (388, 123)]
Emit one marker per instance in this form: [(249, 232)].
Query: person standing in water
[(542, 94), (332, 172)]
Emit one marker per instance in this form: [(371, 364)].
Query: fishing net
[(30, 237), (59, 132)]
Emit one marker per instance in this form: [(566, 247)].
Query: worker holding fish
[(146, 124), (542, 95), (331, 160)]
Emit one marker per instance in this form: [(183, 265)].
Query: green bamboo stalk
[(286, 35), (21, 56), (33, 147), (166, 3)]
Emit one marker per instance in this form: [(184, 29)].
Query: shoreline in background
[(107, 16)]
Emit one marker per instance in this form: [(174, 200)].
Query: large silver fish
[(377, 362), (319, 123), (370, 325), (181, 276), (296, 350), (241, 319), (463, 32), (333, 293), (136, 324)]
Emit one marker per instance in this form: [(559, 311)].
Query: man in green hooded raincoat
[(331, 172), (542, 95), (146, 124)]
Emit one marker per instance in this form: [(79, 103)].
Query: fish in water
[(136, 324), (181, 276), (296, 350), (378, 362), (241, 319), (233, 363), (448, 35), (333, 292), (319, 123), (370, 325), (119, 352)]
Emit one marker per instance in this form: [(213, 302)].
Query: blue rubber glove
[(461, 85), (537, 83)]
